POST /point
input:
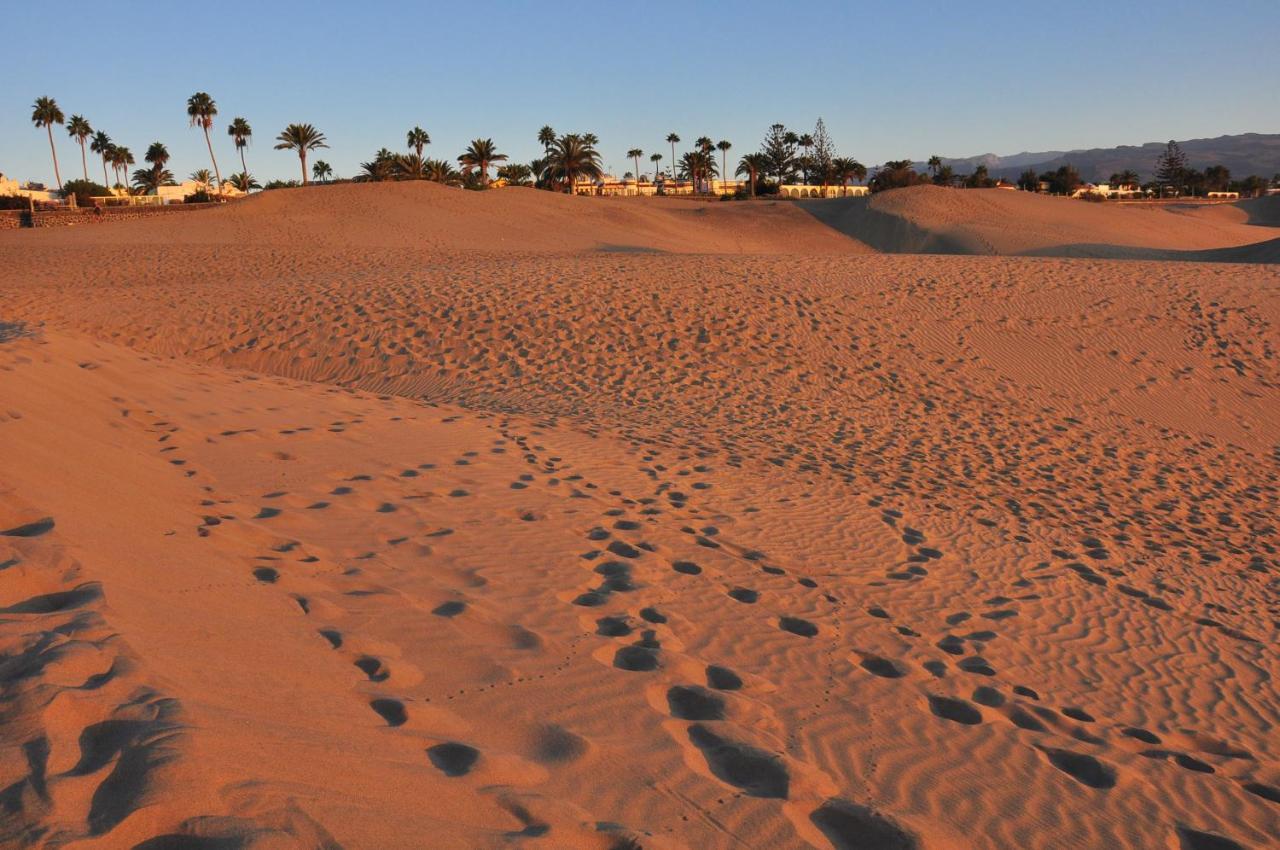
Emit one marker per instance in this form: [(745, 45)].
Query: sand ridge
[(607, 550)]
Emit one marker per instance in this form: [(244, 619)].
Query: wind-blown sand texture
[(400, 517)]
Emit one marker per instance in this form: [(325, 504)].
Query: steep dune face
[(311, 544), (929, 219)]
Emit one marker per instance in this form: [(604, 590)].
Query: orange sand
[(398, 517)]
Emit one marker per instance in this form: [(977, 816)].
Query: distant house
[(35, 191), (1224, 196), (1005, 184), (610, 186), (832, 191), (1107, 190)]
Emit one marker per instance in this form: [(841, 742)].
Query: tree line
[(783, 157)]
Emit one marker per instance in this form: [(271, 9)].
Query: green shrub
[(14, 202), (85, 191), (199, 196), (281, 184)]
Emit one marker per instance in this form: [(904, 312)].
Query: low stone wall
[(11, 219)]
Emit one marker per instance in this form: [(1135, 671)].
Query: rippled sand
[(394, 517)]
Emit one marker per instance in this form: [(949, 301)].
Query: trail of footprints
[(640, 640)]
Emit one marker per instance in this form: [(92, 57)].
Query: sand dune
[(928, 219), (428, 216), (309, 543)]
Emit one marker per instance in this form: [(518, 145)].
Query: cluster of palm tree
[(201, 111), (567, 159)]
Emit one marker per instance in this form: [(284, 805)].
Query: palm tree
[(845, 168), (244, 181), (374, 171), (204, 177), (300, 138), (240, 130), (806, 142), (673, 139), (723, 146), (655, 159), (753, 165), (571, 158), (479, 155), (546, 137), (935, 162), (78, 128), (201, 109), (516, 174), (122, 158), (699, 165), (45, 113), (321, 171), (591, 139), (409, 166), (101, 145), (635, 154), (149, 180), (442, 171), (418, 139), (157, 154)]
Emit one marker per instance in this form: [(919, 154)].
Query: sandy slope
[(428, 216), (928, 219), (631, 550)]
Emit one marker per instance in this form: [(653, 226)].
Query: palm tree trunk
[(84, 162), (244, 169), (54, 151), (104, 171), (673, 162), (302, 155), (212, 158)]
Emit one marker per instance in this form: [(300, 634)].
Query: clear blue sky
[(891, 80)]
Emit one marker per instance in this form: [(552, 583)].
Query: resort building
[(35, 191), (832, 191)]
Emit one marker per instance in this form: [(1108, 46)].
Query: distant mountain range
[(1244, 154)]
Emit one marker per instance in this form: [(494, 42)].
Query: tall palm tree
[(753, 165), (723, 146), (591, 139), (204, 177), (300, 138), (201, 109), (45, 113), (673, 139), (240, 130), (101, 145), (806, 142), (935, 163), (78, 128), (546, 137), (479, 155), (122, 158), (418, 139), (157, 154), (571, 158), (635, 154), (655, 159), (321, 171)]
